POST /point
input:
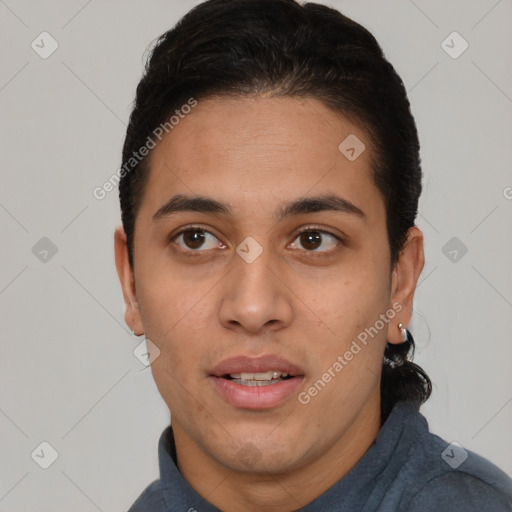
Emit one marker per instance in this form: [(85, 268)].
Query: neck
[(232, 491)]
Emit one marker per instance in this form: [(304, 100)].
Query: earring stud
[(403, 332)]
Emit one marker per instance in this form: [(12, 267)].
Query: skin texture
[(256, 154)]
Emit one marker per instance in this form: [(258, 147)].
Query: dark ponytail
[(402, 380)]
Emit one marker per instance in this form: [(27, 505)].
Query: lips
[(244, 364), (256, 383)]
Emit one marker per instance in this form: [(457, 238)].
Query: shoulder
[(458, 491), (150, 499), (448, 477)]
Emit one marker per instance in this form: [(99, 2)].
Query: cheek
[(350, 309), (355, 302), (169, 298), (175, 371), (172, 314)]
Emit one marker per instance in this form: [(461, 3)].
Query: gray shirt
[(407, 468)]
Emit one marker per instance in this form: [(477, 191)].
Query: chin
[(261, 456)]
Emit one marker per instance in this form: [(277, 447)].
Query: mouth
[(258, 379), (256, 383)]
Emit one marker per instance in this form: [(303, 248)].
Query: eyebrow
[(181, 203)]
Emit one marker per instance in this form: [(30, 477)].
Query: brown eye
[(312, 239), (193, 239)]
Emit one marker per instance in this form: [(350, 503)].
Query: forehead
[(256, 150)]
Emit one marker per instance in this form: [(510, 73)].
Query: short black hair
[(283, 48)]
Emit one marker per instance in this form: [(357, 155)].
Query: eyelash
[(307, 229)]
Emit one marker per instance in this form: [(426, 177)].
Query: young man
[(268, 253)]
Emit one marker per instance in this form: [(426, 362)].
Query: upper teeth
[(259, 376)]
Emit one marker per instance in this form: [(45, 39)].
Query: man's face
[(244, 292)]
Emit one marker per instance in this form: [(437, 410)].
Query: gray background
[(67, 372)]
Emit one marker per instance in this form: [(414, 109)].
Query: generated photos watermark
[(355, 348), (137, 156)]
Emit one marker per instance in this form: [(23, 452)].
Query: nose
[(255, 296)]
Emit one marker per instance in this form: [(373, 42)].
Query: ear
[(126, 276), (404, 280)]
